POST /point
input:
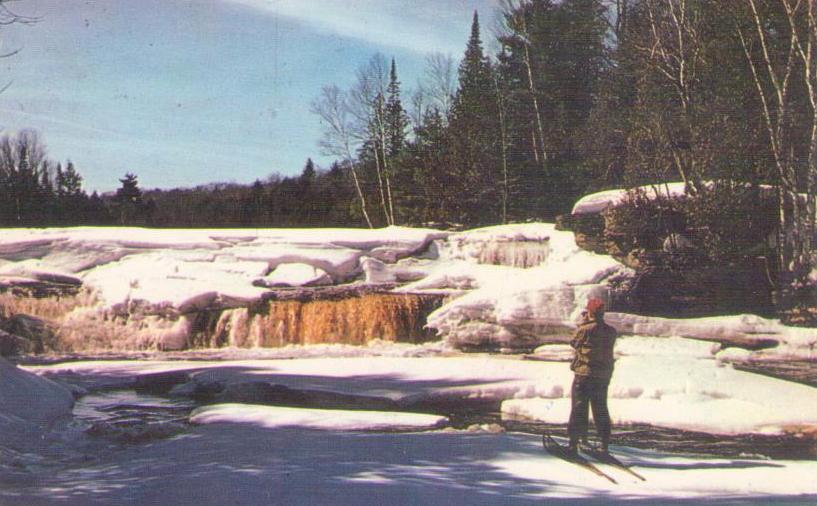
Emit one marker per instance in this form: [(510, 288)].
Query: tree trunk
[(533, 93)]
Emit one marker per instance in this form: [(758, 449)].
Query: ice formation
[(505, 287)]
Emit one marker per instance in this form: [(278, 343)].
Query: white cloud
[(423, 26)]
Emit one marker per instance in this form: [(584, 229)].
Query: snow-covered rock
[(31, 398), (515, 307), (29, 405), (598, 202), (745, 329)]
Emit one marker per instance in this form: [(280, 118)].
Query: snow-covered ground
[(513, 286), (248, 465), (253, 454), (673, 382)]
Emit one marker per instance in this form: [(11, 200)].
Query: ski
[(612, 460), (557, 450)]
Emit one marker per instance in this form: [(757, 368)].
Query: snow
[(272, 417), (246, 465), (508, 286), (550, 294), (673, 382), (179, 267), (296, 274), (598, 202), (794, 341), (251, 454)]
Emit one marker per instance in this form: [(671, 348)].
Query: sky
[(187, 92)]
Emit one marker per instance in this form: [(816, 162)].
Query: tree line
[(573, 96), (582, 95)]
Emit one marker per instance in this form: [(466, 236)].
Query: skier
[(592, 367)]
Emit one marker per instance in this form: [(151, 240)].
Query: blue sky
[(184, 92)]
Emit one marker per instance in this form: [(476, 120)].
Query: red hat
[(595, 305)]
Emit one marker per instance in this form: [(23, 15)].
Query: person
[(592, 367)]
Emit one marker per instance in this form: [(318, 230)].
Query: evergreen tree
[(129, 200), (71, 180), (396, 117), (308, 175), (428, 198), (473, 131)]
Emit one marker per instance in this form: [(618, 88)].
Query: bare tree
[(440, 81), (338, 136), (435, 90), (804, 38), (674, 51), (368, 99), (772, 74), (21, 163)]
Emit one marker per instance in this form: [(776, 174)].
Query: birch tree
[(773, 73), (339, 138)]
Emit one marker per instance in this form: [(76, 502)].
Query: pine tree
[(308, 174), (129, 200), (129, 192), (71, 181), (473, 128), (396, 117)]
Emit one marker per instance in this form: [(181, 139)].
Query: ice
[(272, 417)]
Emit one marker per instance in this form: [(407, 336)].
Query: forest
[(577, 96)]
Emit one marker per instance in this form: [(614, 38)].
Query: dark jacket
[(594, 342)]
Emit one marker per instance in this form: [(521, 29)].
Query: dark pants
[(589, 392)]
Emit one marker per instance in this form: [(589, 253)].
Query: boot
[(573, 446), (604, 447)]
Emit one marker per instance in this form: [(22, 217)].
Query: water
[(125, 416)]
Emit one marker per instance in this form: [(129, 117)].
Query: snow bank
[(325, 419)]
